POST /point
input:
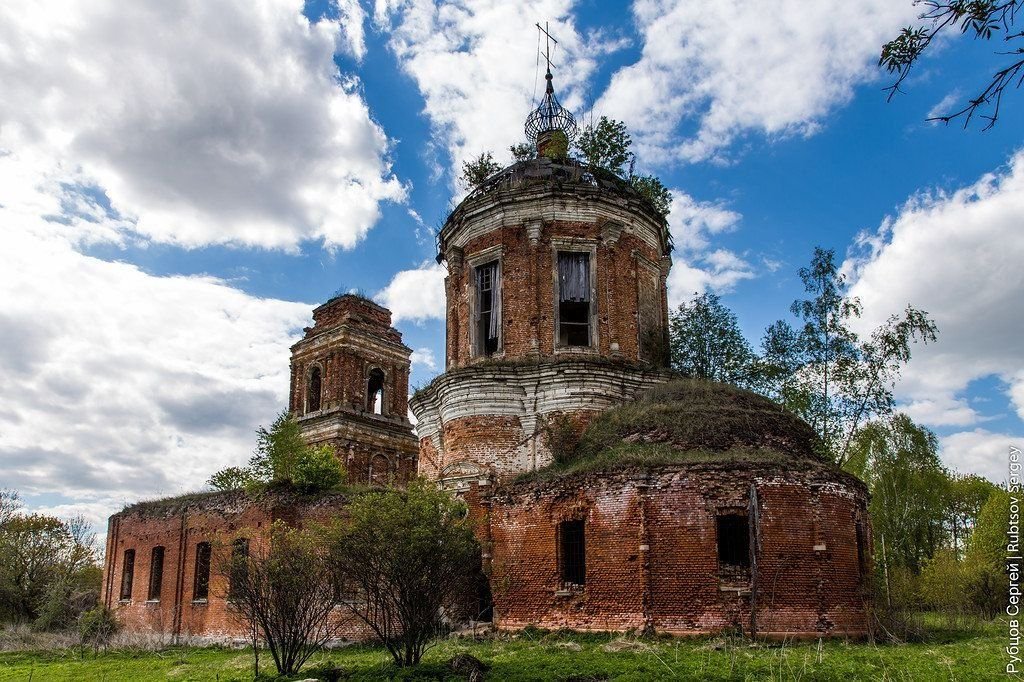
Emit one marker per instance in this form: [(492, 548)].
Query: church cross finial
[(550, 121), (548, 39)]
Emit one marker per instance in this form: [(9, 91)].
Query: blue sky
[(180, 185)]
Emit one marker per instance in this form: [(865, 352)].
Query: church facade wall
[(178, 612), (652, 554)]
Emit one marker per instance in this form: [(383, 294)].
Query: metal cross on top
[(548, 39)]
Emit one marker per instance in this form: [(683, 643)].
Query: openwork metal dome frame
[(550, 116)]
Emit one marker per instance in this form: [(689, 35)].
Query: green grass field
[(559, 656)]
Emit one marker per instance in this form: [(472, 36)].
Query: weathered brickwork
[(350, 345), (489, 419), (525, 230), (179, 528), (652, 558)]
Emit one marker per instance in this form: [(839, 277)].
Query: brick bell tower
[(556, 309), (350, 390)]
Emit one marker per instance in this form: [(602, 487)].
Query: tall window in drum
[(487, 314)]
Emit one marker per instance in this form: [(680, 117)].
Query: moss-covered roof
[(231, 501), (692, 421)]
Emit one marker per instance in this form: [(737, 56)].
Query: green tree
[(282, 455), (606, 145), (965, 497), (988, 584), (523, 151), (651, 188), (476, 170), (983, 20), (899, 462), (43, 558), (706, 342), (823, 370), (405, 558), (285, 590)]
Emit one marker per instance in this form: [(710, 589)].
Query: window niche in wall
[(127, 574), (375, 391), (239, 572), (574, 299), (156, 573), (487, 310), (733, 530), (201, 584), (314, 389), (572, 554)]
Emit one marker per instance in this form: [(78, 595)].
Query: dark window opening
[(127, 574), (375, 392), (574, 299), (572, 553), (239, 566), (862, 550), (734, 541), (156, 573), (313, 390), (201, 587), (488, 306)]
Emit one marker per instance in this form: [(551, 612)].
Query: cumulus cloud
[(743, 65), (958, 256), (417, 294), (424, 357), (474, 62), (695, 267), (119, 384), (980, 452), (196, 123)]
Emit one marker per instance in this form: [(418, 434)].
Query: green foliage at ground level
[(974, 655)]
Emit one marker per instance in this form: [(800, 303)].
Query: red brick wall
[(176, 613), (652, 556), (528, 295)]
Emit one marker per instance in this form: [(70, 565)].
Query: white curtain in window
[(574, 277)]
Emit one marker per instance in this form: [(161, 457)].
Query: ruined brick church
[(684, 507)]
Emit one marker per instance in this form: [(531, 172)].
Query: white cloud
[(474, 62), (979, 452), (119, 385), (943, 410), (957, 256), (201, 122), (695, 268), (742, 65), (424, 357), (417, 294)]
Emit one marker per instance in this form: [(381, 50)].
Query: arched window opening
[(375, 392), (313, 389), (379, 470)]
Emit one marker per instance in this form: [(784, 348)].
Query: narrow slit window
[(313, 389), (862, 550), (239, 566), (733, 541), (201, 587), (156, 573), (574, 302), (375, 392), (488, 308), (127, 574), (572, 553)]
